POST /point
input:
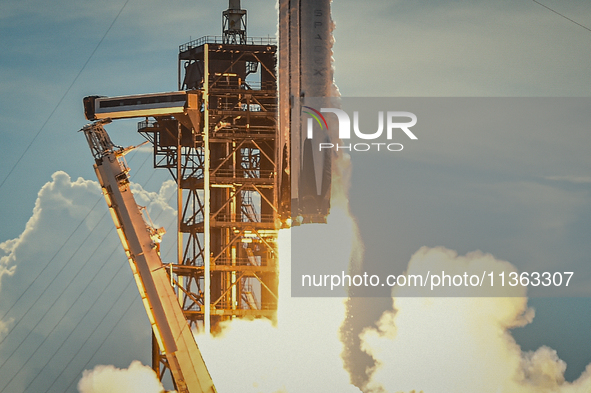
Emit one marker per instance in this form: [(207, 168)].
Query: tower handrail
[(211, 39)]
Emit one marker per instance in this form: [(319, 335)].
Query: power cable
[(96, 298), (105, 339), (85, 341), (80, 321), (564, 16), (53, 304), (78, 324), (63, 267), (96, 327), (55, 326), (52, 258), (54, 278), (63, 96)]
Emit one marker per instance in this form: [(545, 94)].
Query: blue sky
[(383, 48)]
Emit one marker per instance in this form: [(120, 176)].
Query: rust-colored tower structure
[(242, 172), (223, 152)]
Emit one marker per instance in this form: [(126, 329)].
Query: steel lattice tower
[(223, 154)]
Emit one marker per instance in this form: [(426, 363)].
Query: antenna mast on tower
[(234, 24)]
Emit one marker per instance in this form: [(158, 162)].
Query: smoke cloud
[(460, 344), (301, 353), (109, 379)]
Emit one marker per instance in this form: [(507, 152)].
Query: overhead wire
[(72, 280), (63, 343), (63, 245), (80, 320), (88, 338), (99, 346), (69, 237), (58, 274), (564, 16), (53, 280), (96, 298), (63, 266), (47, 309), (105, 338), (84, 219), (129, 306), (63, 96), (51, 259)]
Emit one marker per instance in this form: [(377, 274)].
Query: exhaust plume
[(440, 345), (301, 353)]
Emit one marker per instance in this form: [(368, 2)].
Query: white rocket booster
[(305, 75)]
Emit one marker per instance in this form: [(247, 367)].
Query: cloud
[(65, 285), (444, 345), (55, 199), (570, 179), (157, 203), (109, 379)]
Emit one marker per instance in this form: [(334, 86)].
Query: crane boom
[(140, 242)]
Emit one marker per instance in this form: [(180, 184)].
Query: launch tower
[(222, 152), (241, 165)]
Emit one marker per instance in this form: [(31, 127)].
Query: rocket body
[(306, 83)]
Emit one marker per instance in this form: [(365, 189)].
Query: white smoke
[(439, 345), (109, 379), (301, 353)]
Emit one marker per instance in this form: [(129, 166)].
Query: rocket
[(305, 84)]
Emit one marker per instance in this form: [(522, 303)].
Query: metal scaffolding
[(223, 154)]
